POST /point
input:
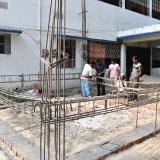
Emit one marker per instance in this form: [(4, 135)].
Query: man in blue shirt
[(100, 72)]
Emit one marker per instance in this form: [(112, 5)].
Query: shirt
[(100, 68), (136, 70), (120, 85), (114, 70), (87, 71)]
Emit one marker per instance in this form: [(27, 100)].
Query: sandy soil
[(86, 132)]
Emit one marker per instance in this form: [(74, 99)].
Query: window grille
[(139, 6), (70, 49), (105, 51), (5, 44), (97, 50), (2, 44), (3, 5), (113, 50), (156, 9), (113, 2)]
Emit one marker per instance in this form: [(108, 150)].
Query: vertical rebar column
[(59, 134), (64, 107), (58, 81), (156, 115)]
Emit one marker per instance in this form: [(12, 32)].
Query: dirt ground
[(83, 133)]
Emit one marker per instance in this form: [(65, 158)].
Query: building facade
[(111, 26)]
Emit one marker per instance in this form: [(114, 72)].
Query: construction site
[(42, 119), (71, 128)]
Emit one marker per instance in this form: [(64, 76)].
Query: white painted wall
[(21, 14), (24, 58), (129, 20), (73, 16), (101, 20), (104, 20)]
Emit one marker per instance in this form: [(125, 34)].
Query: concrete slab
[(116, 144), (17, 143)]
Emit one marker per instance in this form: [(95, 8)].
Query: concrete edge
[(107, 152)]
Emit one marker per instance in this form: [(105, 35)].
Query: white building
[(115, 29)]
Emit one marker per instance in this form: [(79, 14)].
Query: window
[(104, 50), (113, 2), (139, 6), (5, 44), (3, 5), (112, 51), (156, 9), (155, 58), (70, 49)]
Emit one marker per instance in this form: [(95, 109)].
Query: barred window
[(156, 9), (5, 44), (3, 5), (113, 2), (139, 6), (2, 44), (104, 50), (70, 49), (113, 50)]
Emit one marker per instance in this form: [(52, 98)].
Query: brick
[(19, 145), (117, 144)]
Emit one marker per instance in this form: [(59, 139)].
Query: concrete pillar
[(123, 58), (123, 4), (150, 8)]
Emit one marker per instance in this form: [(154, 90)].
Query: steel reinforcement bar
[(50, 108)]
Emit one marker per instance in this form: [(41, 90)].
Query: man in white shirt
[(86, 75)]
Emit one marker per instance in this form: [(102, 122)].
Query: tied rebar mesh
[(56, 113), (53, 59)]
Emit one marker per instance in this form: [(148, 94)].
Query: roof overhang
[(10, 31), (149, 35), (89, 39)]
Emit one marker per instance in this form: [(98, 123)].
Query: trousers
[(85, 88), (100, 87)]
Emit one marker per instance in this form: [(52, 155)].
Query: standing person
[(136, 71), (86, 75), (114, 70), (135, 75), (100, 71)]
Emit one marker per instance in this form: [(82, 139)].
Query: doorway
[(143, 55)]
